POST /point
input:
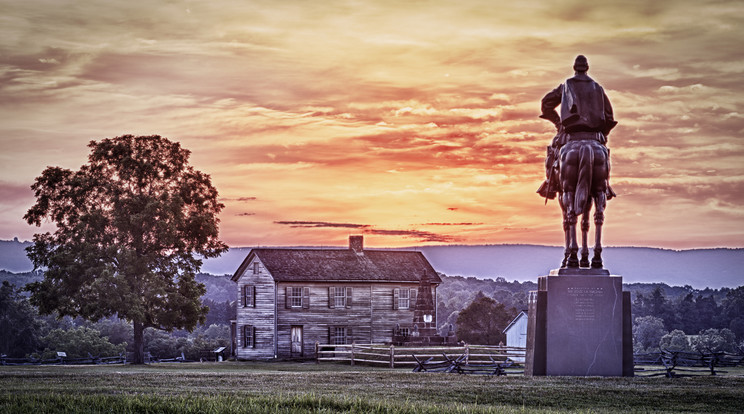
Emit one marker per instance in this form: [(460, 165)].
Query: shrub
[(79, 342)]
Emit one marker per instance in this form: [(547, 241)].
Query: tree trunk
[(139, 343)]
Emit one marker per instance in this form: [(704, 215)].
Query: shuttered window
[(339, 335), (404, 298), (297, 297), (339, 297), (249, 296), (294, 297), (249, 336)]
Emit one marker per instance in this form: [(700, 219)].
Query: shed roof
[(520, 315), (321, 265)]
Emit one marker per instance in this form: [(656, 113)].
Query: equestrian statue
[(577, 165)]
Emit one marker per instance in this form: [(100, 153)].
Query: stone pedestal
[(579, 324)]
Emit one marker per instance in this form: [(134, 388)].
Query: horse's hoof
[(573, 261), (584, 262), (596, 262)]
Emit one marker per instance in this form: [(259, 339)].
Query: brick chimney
[(356, 243)]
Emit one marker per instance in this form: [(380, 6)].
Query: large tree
[(483, 321), (733, 312), (131, 226), (647, 332), (21, 330)]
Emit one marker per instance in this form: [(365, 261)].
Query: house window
[(256, 268), (249, 336), (404, 332), (294, 297), (404, 300), (297, 297), (338, 335), (249, 296), (339, 297)]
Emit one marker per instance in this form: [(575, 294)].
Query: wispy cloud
[(321, 224), (386, 113)]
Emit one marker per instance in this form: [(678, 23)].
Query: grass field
[(240, 387)]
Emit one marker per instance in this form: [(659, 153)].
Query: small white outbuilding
[(516, 333)]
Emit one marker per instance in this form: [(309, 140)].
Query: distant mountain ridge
[(699, 268)]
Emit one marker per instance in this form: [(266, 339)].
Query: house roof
[(318, 265)]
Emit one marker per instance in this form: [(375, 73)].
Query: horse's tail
[(584, 180)]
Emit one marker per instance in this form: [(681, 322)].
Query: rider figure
[(586, 113)]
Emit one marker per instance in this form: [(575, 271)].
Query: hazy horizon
[(419, 246), (699, 268)]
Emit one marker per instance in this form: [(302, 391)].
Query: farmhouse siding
[(304, 296), (259, 315), (316, 318), (387, 315)]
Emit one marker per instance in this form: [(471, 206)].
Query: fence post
[(317, 352), (392, 356), (352, 353), (467, 354)]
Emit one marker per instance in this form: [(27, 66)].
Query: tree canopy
[(130, 225), (647, 332), (483, 321), (20, 327), (79, 342)]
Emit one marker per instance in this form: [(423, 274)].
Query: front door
[(296, 334)]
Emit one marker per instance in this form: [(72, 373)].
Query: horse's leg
[(584, 262), (573, 246), (599, 190), (600, 201), (567, 239)]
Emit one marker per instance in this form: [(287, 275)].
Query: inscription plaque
[(584, 325), (585, 299)]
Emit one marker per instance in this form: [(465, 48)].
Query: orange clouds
[(409, 122)]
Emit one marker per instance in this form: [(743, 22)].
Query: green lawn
[(241, 387)]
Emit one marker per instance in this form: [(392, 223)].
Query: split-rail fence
[(403, 356)]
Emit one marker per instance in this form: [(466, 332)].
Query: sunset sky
[(413, 123)]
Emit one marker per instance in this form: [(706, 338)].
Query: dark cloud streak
[(321, 224), (423, 236)]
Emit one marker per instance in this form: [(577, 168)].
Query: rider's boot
[(610, 193)]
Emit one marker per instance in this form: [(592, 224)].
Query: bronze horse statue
[(578, 172), (578, 163), (584, 168)]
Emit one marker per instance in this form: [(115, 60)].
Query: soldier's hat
[(581, 64)]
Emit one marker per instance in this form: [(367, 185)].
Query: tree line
[(477, 309), (689, 322), (29, 334), (672, 317)]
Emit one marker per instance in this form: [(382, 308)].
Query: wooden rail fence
[(403, 357), (675, 363)]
